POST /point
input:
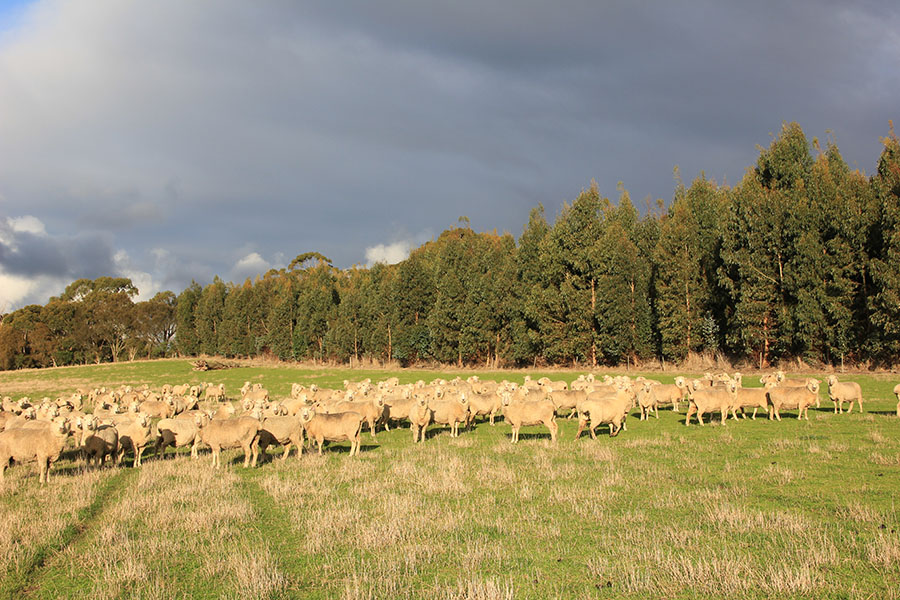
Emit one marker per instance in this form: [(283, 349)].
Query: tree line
[(801, 259)]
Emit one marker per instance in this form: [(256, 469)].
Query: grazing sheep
[(450, 409), (135, 433), (240, 432), (181, 390), (419, 418), (371, 410), (647, 401), (98, 441), (335, 427), (397, 407), (703, 399), (549, 385), (789, 397), (281, 431), (567, 400), (215, 393), (179, 432), (41, 445), (604, 408), (484, 405), (846, 391), (17, 421), (754, 398), (157, 409), (527, 413), (224, 411)]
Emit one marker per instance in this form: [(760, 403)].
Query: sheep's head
[(832, 380)]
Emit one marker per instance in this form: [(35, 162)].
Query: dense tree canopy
[(800, 259)]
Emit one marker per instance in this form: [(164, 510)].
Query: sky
[(171, 141)]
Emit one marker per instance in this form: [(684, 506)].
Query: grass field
[(754, 509)]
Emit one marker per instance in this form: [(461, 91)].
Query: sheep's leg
[(553, 430), (593, 429), (690, 413), (656, 411), (700, 416), (582, 422)]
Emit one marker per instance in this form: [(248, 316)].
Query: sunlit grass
[(754, 509)]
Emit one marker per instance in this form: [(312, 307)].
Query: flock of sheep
[(180, 416)]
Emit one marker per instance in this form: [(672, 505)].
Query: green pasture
[(752, 509)]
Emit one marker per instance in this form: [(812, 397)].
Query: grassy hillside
[(754, 509)]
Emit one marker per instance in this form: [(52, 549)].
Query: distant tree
[(209, 314), (187, 341)]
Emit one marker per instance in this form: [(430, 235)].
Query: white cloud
[(143, 281), (250, 266), (389, 254), (27, 224)]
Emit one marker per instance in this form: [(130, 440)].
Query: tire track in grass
[(22, 583), (274, 528)]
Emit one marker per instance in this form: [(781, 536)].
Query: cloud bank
[(191, 136)]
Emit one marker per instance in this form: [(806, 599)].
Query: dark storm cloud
[(223, 138), (31, 254)]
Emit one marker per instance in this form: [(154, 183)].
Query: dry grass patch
[(35, 515)]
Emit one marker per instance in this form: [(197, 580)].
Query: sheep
[(527, 413), (604, 408), (846, 391), (181, 390), (754, 398), (239, 432), (567, 400), (293, 406), (450, 409), (669, 393), (224, 411), (157, 409), (282, 431), (255, 395), (549, 385), (647, 401), (16, 421), (702, 399), (484, 405), (135, 433), (105, 408), (775, 377), (419, 418), (8, 405), (98, 441), (179, 433), (296, 390), (41, 445), (398, 407), (788, 397), (215, 393), (897, 393), (335, 427), (371, 410)]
